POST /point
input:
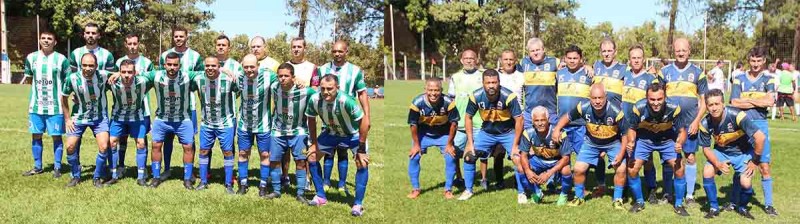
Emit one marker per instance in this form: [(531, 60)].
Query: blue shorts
[(485, 142), (208, 137), (194, 120), (245, 140), (528, 119), (645, 149), (591, 154), (328, 142), (427, 141), (540, 165), (97, 127), (763, 126), (136, 129), (737, 162), (148, 123), (690, 146), (182, 129), (460, 141), (575, 136), (279, 145), (53, 124)]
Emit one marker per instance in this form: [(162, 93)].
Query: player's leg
[(483, 142), (679, 185), (116, 131), (226, 137), (245, 142), (325, 144), (450, 170), (264, 165), (710, 187), (341, 168), (73, 156), (208, 137), (566, 185), (100, 131), (587, 157), (285, 162), (739, 164), (299, 150), (764, 168), (460, 142), (161, 132), (414, 166), (600, 176), (37, 126), (619, 174), (362, 175), (635, 183), (139, 133), (185, 132), (689, 148), (328, 167), (650, 179), (483, 168), (276, 151)]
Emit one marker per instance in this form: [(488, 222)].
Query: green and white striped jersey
[(130, 101), (47, 74), (233, 66), (105, 60), (191, 61), (142, 65), (351, 78), (217, 100), (341, 117), (289, 118), (90, 96), (173, 95), (255, 108)]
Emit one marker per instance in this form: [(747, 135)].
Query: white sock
[(773, 112)]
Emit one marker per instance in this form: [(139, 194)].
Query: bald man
[(461, 86), (603, 130)]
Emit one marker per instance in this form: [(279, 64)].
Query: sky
[(631, 13)]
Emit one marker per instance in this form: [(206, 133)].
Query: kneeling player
[(342, 117), (128, 115), (434, 120), (732, 133), (541, 158)]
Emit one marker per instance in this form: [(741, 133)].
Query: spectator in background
[(716, 77), (736, 71), (787, 83)]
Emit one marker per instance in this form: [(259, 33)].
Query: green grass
[(501, 206), (42, 199)]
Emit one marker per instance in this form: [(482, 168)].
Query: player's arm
[(472, 108), (312, 134), (363, 99), (624, 141), (524, 165), (454, 117), (767, 100), (736, 99), (573, 114), (65, 93), (413, 121), (702, 88), (516, 112)]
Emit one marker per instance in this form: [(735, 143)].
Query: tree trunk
[(537, 22), (673, 14), (303, 18), (796, 51)]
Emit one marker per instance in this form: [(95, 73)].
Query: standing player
[(738, 144), (650, 128), (604, 126), (351, 82), (254, 121), (90, 111), (502, 124), (462, 84), (541, 158), (217, 98), (540, 81), (91, 35), (753, 92), (305, 74), (686, 85), (129, 117), (344, 125), (46, 70), (289, 130), (512, 79), (433, 119), (258, 48), (190, 61), (573, 90), (141, 64)]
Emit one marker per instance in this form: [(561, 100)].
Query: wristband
[(362, 147)]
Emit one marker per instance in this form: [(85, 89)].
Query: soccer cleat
[(229, 189), (689, 201), (262, 191), (522, 199), (301, 199), (285, 182), (680, 210), (141, 182), (188, 184), (485, 185), (110, 182), (56, 174), (637, 207), (317, 201), (201, 186), (242, 189), (744, 213), (599, 191), (98, 183), (576, 202), (414, 194), (165, 175), (73, 182), (536, 198), (448, 195), (666, 199), (32, 172), (357, 210), (771, 211), (711, 213), (730, 207), (465, 196), (562, 200), (652, 198), (272, 195), (155, 182), (617, 204)]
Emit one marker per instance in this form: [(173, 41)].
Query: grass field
[(42, 199), (501, 207)]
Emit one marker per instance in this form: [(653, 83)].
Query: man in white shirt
[(716, 77)]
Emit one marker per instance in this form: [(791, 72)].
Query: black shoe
[(637, 207), (666, 199), (285, 182), (262, 191), (302, 199), (771, 211), (689, 202), (111, 182), (165, 175), (141, 182), (652, 198), (73, 182), (458, 182), (229, 189), (272, 195), (499, 185), (729, 207), (242, 189), (155, 182), (188, 184), (32, 172), (744, 213), (201, 186), (711, 213), (681, 211), (56, 173), (98, 183)]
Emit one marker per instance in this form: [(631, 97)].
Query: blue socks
[(600, 172), (300, 175), (187, 170), (342, 163), (362, 177), (691, 179), (122, 147), (650, 178), (566, 184), (680, 191), (242, 168), (745, 197), (316, 178), (579, 191), (736, 189), (264, 171), (36, 148), (636, 187), (156, 167), (667, 174), (114, 163), (74, 163), (100, 165), (711, 192), (521, 184), (203, 162), (469, 175), (141, 160), (167, 151), (413, 171), (449, 171), (328, 169), (618, 189), (227, 165), (275, 173), (58, 153), (766, 184)]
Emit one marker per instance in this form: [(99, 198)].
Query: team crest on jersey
[(615, 73), (609, 121), (583, 79), (499, 104), (442, 110), (546, 66), (691, 77), (642, 84), (560, 78), (730, 127), (482, 105)]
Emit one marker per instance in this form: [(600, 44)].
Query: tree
[(672, 14), (542, 10)]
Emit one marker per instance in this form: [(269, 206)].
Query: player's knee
[(746, 182), (227, 153), (300, 165), (204, 152), (140, 144), (765, 170), (566, 170), (39, 137), (690, 159)]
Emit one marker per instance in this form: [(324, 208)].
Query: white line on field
[(13, 130)]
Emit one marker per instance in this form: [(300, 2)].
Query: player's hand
[(299, 84), (312, 150), (544, 177), (629, 148), (69, 125), (556, 136), (679, 148), (751, 167), (723, 167), (451, 150), (531, 176), (415, 149), (514, 151), (693, 127), (113, 78), (617, 162), (362, 158), (589, 70), (469, 152)]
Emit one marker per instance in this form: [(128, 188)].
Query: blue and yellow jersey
[(746, 88), (732, 135), (654, 127), (601, 129), (498, 116), (684, 86), (612, 79), (540, 83), (433, 119), (543, 146), (573, 89), (635, 88)]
